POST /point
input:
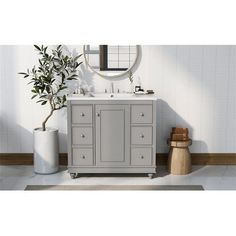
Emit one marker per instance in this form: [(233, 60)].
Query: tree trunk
[(45, 121)]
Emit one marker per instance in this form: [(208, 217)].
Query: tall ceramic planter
[(46, 151)]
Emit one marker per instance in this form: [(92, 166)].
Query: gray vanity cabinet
[(112, 135), (106, 136)]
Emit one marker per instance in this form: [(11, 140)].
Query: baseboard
[(25, 159), (204, 158), (197, 158)]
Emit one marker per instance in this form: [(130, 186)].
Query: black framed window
[(116, 58)]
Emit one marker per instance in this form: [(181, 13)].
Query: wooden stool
[(179, 158)]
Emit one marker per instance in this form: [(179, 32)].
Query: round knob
[(82, 135), (141, 114), (141, 136), (82, 114), (142, 157), (97, 114), (83, 157)]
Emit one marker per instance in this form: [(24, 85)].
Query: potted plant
[(49, 85)]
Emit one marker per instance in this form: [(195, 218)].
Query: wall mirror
[(111, 61)]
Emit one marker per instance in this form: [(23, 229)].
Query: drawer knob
[(82, 114), (97, 114), (82, 136), (141, 135), (142, 157), (141, 114), (83, 157)]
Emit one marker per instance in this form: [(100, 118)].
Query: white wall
[(196, 86)]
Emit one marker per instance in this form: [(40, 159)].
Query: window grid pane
[(120, 56)]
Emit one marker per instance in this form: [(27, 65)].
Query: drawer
[(82, 157), (141, 156), (82, 114), (141, 114), (141, 135), (82, 135)]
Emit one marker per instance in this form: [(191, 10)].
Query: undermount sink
[(112, 95)]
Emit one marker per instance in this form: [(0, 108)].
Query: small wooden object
[(179, 134), (179, 158), (179, 137), (177, 130)]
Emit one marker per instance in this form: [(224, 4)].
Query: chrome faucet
[(82, 90), (112, 87)]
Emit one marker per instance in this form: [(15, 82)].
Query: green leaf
[(48, 89), (33, 91), (58, 47), (42, 89), (37, 89), (34, 96), (72, 78), (40, 101), (77, 57), (63, 87), (78, 64), (43, 103), (37, 47), (65, 58), (64, 98), (30, 82), (67, 71), (22, 73)]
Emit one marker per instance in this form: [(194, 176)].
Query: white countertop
[(115, 96)]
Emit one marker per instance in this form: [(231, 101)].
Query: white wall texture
[(196, 87)]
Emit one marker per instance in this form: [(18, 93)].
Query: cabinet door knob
[(83, 157), (82, 136), (97, 114), (82, 114), (141, 114), (142, 157), (141, 135)]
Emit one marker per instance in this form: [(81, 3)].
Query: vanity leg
[(74, 175), (150, 176)]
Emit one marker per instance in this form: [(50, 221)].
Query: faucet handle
[(105, 90)]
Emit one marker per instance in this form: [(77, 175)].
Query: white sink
[(112, 95)]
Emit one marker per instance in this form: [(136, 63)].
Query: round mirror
[(110, 61)]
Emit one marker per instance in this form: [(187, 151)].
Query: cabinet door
[(112, 135)]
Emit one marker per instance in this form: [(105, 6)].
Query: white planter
[(46, 151)]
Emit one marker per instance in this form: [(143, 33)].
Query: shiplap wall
[(196, 87)]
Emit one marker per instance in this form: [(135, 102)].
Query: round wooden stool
[(179, 158)]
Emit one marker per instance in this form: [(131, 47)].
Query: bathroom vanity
[(111, 133)]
